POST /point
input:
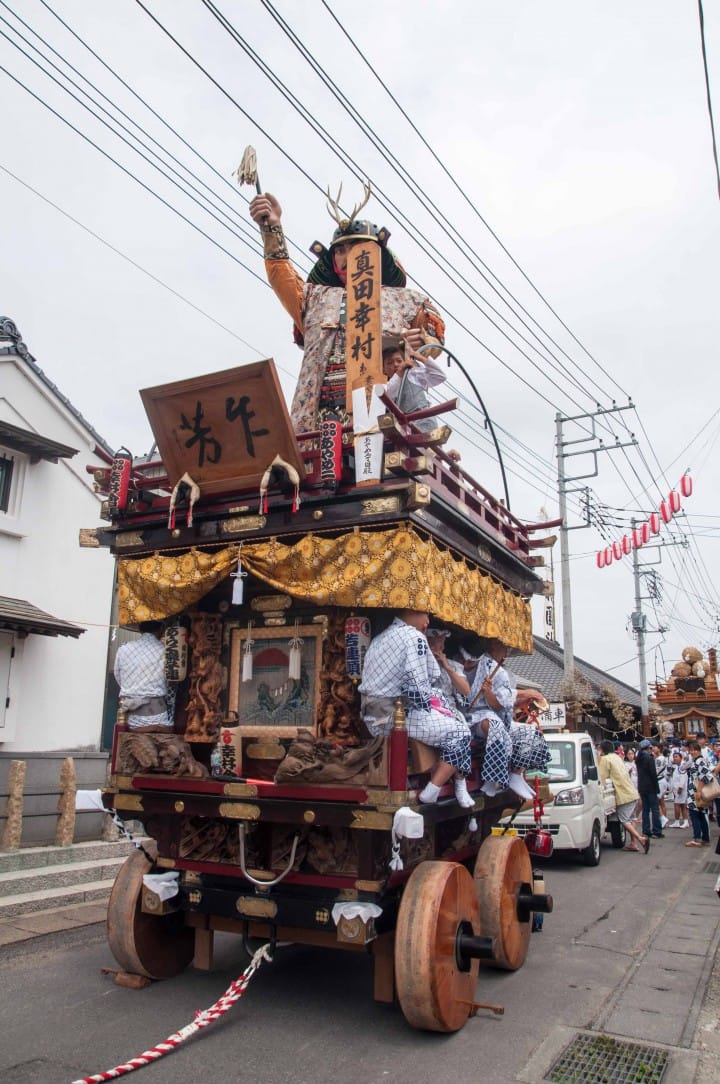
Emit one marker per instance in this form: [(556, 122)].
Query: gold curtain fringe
[(395, 569)]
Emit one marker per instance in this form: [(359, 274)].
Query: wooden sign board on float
[(223, 429), (363, 357)]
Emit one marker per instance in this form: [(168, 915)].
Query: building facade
[(55, 597)]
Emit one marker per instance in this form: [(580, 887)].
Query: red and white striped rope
[(202, 1019)]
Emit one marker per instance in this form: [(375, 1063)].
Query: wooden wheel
[(158, 946), (502, 866), (439, 902)]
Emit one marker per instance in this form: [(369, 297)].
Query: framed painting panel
[(271, 703)]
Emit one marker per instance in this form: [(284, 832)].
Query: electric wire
[(228, 224), (443, 270), (406, 179), (701, 17), (163, 120), (467, 199), (111, 159), (404, 176), (130, 174), (135, 264)]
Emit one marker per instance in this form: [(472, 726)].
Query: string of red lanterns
[(641, 535)]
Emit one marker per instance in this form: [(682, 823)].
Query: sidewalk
[(24, 928), (669, 996)]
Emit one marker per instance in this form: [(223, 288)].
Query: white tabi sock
[(489, 788), (462, 795), (429, 794), (518, 784)]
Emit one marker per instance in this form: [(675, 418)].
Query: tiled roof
[(545, 668), (21, 616), (9, 333), (34, 445)]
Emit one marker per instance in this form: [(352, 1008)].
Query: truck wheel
[(157, 946), (617, 834), (591, 853)]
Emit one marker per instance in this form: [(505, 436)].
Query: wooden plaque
[(223, 429), (363, 334)]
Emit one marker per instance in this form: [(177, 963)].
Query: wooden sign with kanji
[(363, 335), (223, 429)]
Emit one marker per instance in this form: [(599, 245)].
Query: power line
[(467, 199), (130, 174), (133, 263), (163, 120), (701, 18), (315, 184)]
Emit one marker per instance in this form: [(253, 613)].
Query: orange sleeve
[(288, 287)]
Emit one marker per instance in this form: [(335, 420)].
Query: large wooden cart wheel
[(434, 987), (158, 946), (503, 871)]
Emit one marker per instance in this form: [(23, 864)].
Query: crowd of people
[(666, 779)]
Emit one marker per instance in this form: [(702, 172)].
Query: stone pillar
[(65, 829), (12, 831)]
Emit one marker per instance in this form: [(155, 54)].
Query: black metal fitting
[(470, 946)]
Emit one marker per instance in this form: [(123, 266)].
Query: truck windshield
[(561, 768)]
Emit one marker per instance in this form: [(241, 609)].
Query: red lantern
[(608, 555), (645, 533), (617, 550), (654, 523), (626, 544), (686, 484), (674, 500), (600, 558), (637, 538), (666, 511)]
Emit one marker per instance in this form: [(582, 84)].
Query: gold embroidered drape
[(150, 588), (397, 569)]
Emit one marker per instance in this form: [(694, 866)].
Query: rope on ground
[(202, 1019)]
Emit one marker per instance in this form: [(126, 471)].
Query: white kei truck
[(581, 810)]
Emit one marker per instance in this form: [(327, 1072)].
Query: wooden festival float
[(272, 558), (689, 699)]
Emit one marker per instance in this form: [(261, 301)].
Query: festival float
[(688, 701), (272, 557)]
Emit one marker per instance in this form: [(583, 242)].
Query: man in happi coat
[(399, 663), (490, 712), (140, 673)]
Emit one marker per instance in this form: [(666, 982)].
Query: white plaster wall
[(56, 683)]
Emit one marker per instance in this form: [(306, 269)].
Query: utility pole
[(590, 444), (639, 623)]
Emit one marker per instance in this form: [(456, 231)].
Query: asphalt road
[(628, 951)]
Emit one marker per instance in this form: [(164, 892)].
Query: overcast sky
[(567, 153)]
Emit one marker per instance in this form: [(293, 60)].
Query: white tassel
[(295, 662), (238, 577), (247, 662)]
